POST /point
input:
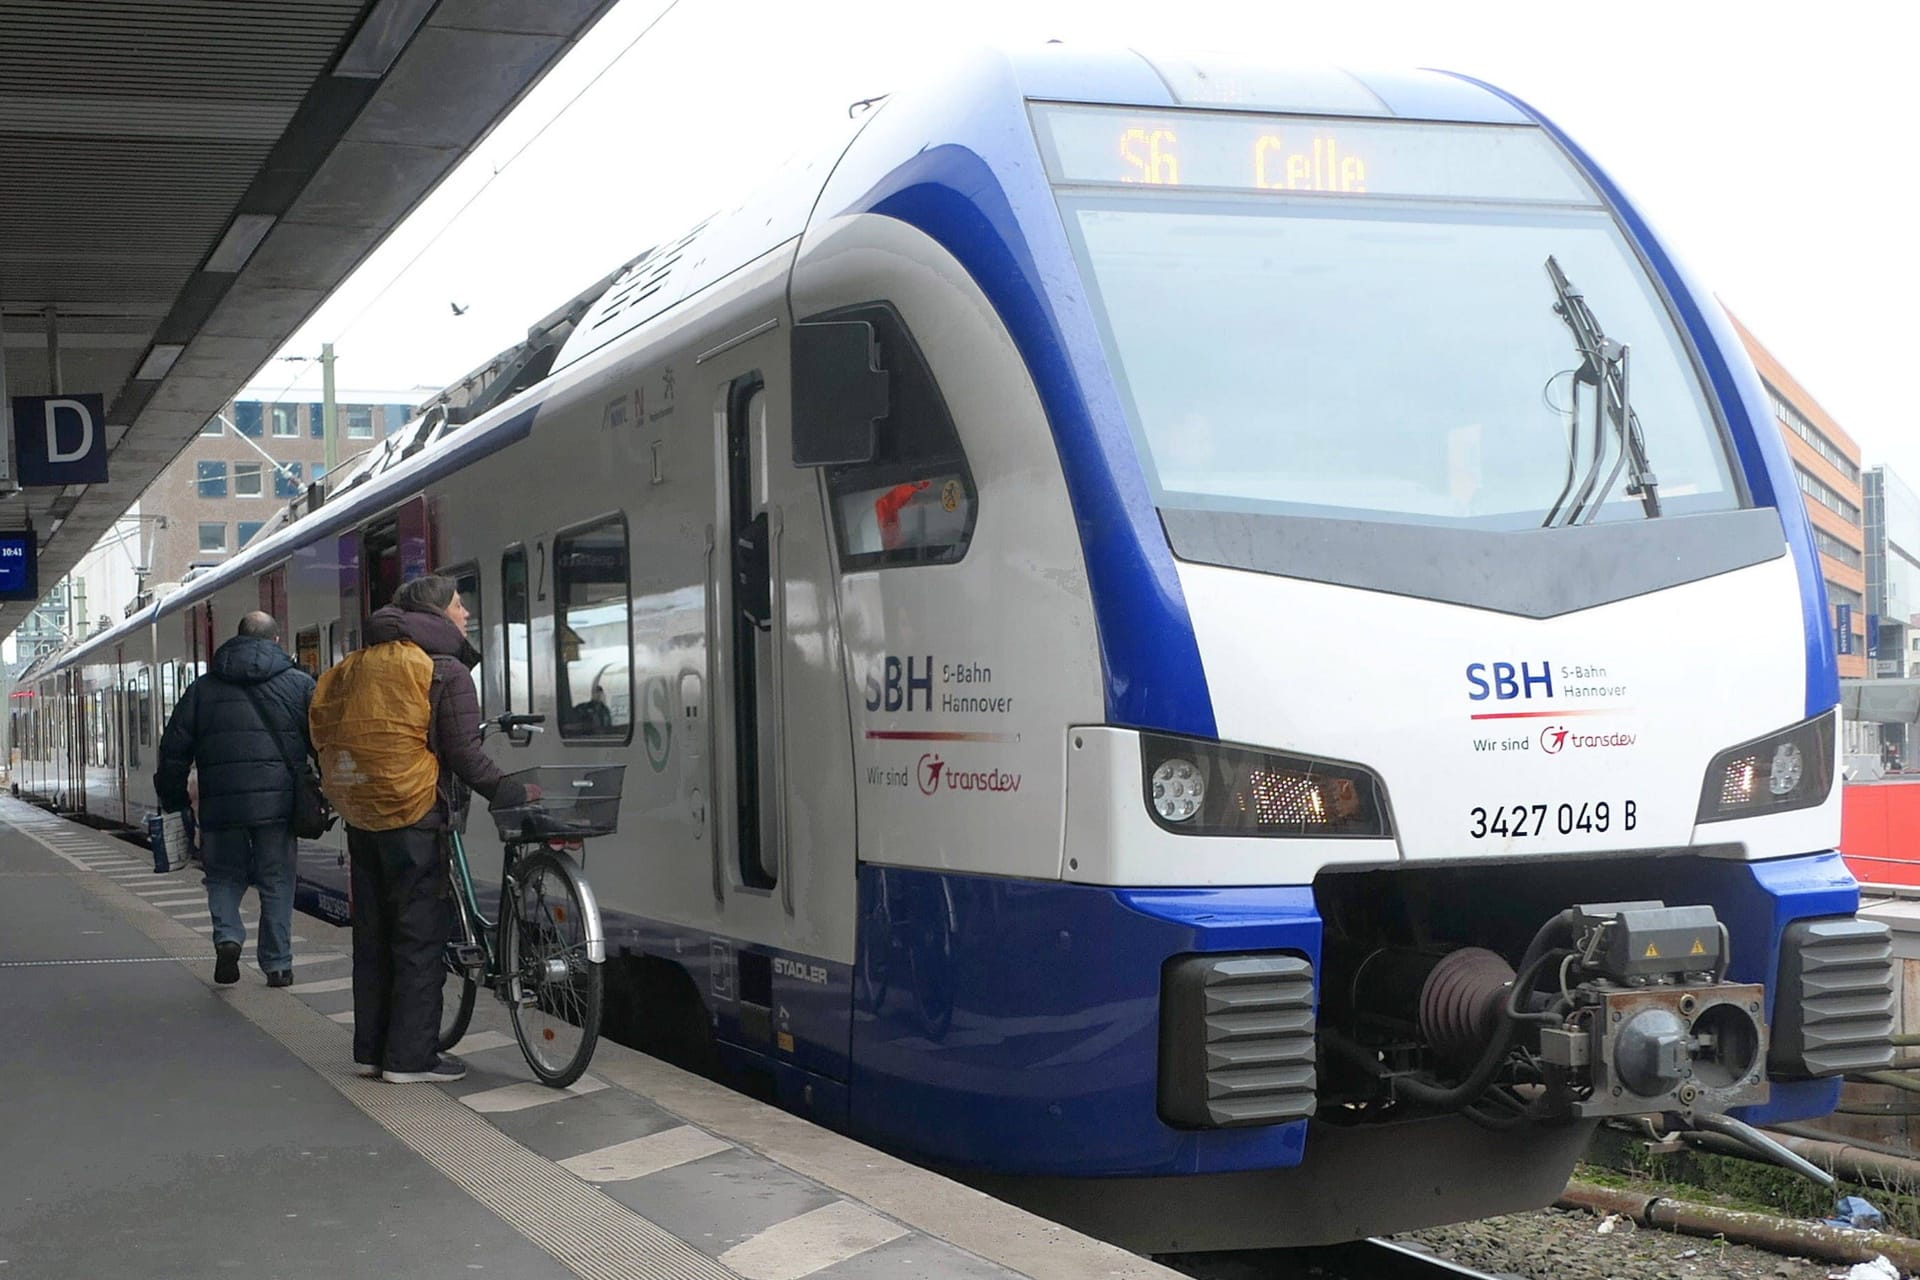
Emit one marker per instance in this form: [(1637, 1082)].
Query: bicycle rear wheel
[(456, 1002), (555, 993), (461, 984)]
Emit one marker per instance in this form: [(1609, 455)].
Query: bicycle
[(543, 956)]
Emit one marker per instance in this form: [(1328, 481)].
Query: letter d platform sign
[(59, 440)]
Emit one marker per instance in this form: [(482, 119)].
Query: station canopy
[(183, 182), (1885, 701)]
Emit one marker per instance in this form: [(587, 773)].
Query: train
[(1227, 652)]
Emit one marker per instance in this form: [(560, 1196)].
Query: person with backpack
[(244, 723), (397, 728)]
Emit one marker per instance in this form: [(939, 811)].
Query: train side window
[(914, 502), (306, 650), (466, 580), (380, 562), (516, 673), (144, 691), (593, 670)]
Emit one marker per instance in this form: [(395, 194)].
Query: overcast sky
[(1764, 141)]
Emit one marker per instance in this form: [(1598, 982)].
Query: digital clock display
[(1304, 155), (19, 566)]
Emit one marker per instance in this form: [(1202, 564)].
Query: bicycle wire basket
[(575, 801)]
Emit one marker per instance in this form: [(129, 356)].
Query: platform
[(157, 1125)]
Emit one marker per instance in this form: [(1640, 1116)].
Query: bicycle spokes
[(552, 985)]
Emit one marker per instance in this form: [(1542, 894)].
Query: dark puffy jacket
[(454, 734), (244, 780)]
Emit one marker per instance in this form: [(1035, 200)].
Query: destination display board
[(1320, 155)]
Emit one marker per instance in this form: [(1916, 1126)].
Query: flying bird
[(457, 308)]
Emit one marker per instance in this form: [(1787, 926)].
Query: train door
[(79, 739), (273, 597), (125, 726), (783, 764)]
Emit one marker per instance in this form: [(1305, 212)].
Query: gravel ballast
[(1562, 1244)]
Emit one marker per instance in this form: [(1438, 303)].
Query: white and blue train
[(1231, 653)]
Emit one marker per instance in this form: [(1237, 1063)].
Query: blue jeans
[(235, 857)]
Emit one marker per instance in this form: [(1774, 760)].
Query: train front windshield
[(1354, 319)]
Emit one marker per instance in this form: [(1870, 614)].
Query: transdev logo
[(1556, 738), (934, 777)]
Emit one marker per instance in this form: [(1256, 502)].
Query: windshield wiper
[(1603, 366)]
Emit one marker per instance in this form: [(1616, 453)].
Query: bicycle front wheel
[(554, 991)]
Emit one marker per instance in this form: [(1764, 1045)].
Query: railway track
[(1360, 1260)]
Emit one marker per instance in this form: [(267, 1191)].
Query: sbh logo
[(903, 681), (1502, 680), (60, 440)]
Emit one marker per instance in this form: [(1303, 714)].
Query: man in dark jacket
[(402, 896), (241, 722)]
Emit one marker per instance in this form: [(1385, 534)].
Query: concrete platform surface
[(156, 1125)]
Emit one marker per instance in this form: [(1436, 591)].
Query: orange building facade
[(1826, 465)]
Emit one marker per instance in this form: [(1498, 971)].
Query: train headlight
[(1790, 769), (1177, 788), (1214, 789)]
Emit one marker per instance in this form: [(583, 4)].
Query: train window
[(516, 672), (466, 580), (306, 650), (593, 671), (914, 503), (380, 561), (144, 688)]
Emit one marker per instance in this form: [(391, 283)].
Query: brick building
[(243, 468), (1826, 465)]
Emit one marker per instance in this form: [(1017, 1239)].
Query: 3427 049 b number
[(1520, 821)]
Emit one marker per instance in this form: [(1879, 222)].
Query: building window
[(246, 480), (247, 529), (1797, 422), (249, 418), (594, 636), (286, 480), (213, 536), (1824, 494), (1832, 546), (211, 478), (359, 420), (286, 421), (214, 427)]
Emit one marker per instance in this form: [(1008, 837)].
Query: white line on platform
[(625, 1161), (177, 900), (803, 1245), (481, 1041), (519, 1097), (155, 890), (345, 1018), (325, 984)]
